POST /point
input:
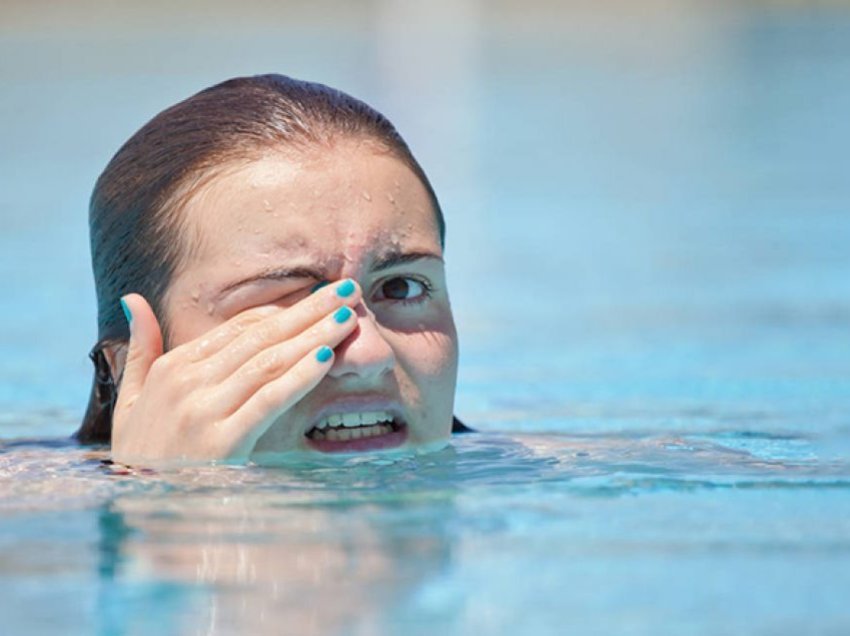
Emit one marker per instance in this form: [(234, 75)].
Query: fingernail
[(318, 286), (324, 354), (127, 314), (346, 288), (342, 314)]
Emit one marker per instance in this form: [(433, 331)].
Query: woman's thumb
[(145, 346)]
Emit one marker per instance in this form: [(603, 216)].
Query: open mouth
[(357, 432)]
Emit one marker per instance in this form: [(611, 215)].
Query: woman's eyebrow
[(394, 258), (276, 273), (387, 260)]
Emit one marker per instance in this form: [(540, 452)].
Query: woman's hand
[(213, 397)]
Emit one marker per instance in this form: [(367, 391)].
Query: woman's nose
[(365, 353)]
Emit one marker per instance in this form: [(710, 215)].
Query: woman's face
[(267, 231)]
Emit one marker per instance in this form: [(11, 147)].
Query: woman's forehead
[(347, 202)]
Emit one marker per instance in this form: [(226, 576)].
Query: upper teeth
[(351, 420)]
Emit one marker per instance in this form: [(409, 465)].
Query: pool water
[(735, 532), (647, 249)]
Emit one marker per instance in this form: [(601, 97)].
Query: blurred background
[(647, 202), (648, 210)]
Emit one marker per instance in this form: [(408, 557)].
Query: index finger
[(268, 324)]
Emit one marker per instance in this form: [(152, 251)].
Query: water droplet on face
[(196, 296), (366, 195), (390, 197), (267, 206), (210, 309)]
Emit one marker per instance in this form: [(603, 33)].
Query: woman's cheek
[(433, 371), (430, 353)]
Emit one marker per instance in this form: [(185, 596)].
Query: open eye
[(404, 289)]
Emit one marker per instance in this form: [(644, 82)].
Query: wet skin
[(245, 324)]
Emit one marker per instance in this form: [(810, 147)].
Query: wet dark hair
[(136, 229)]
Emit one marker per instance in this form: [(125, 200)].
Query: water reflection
[(345, 548), (369, 544), (292, 555)]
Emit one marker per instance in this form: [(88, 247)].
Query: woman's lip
[(392, 439)]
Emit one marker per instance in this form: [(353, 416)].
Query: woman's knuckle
[(161, 367), (249, 319), (265, 332), (270, 363)]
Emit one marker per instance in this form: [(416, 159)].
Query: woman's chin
[(396, 442), (432, 446)]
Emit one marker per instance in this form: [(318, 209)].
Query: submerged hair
[(137, 233)]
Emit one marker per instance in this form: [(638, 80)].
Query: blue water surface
[(648, 224)]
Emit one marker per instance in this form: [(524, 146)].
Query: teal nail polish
[(346, 288), (324, 354), (318, 286), (342, 314), (127, 313)]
